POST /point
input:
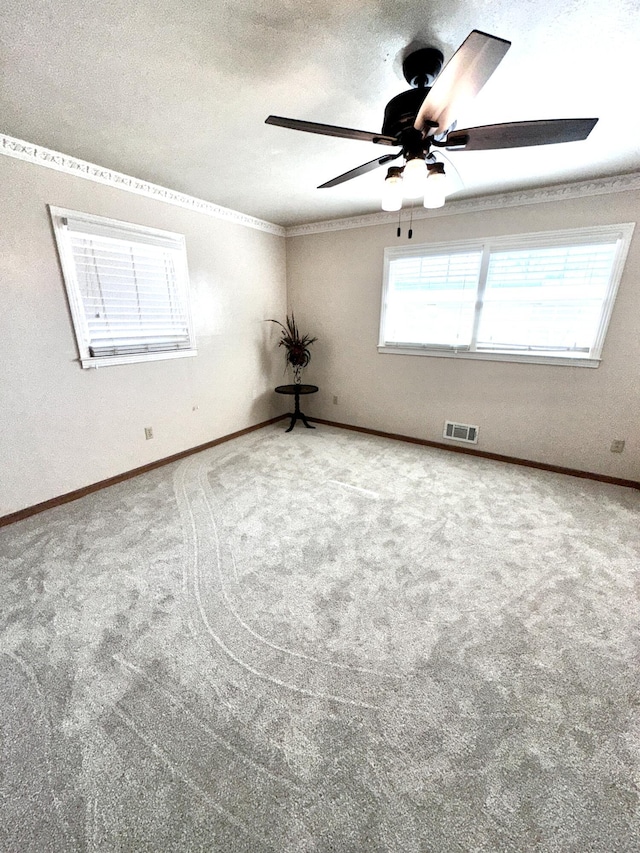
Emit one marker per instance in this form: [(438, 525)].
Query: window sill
[(493, 356), (109, 361)]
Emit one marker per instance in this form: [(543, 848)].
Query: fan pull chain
[(399, 230)]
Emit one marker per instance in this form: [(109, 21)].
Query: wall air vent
[(460, 432)]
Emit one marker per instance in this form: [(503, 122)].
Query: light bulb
[(436, 187), (414, 174), (392, 190)]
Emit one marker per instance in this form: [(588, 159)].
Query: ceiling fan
[(422, 120)]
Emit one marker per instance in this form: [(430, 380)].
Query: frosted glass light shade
[(414, 174), (435, 190), (392, 193)]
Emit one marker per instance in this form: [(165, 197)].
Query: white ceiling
[(177, 92)]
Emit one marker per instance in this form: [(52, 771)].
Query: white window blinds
[(130, 290), (529, 297), (545, 298), (431, 299)]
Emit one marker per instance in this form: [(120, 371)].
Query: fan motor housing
[(420, 69), (400, 113)]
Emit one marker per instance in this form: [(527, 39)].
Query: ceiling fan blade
[(460, 81), (331, 130), (360, 170), (517, 134)]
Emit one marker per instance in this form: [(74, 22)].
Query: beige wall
[(62, 427), (553, 414)]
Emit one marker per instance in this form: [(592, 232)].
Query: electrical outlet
[(335, 400), (148, 432), (617, 445)]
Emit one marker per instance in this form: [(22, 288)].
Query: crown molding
[(557, 192), (21, 150)]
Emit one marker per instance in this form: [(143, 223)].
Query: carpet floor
[(323, 641)]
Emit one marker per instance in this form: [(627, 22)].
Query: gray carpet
[(323, 641)]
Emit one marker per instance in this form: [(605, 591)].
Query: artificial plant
[(296, 345)]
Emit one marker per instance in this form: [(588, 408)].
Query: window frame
[(623, 233), (126, 231)]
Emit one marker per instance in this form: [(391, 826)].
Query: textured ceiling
[(177, 93)]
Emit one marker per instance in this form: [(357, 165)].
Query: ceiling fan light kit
[(429, 182), (422, 120)]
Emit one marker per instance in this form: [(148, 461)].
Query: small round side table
[(296, 390)]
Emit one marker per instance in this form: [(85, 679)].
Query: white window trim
[(622, 231), (140, 233)]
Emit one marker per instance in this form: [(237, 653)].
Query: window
[(128, 289), (543, 298)]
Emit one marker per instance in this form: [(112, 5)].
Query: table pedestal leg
[(298, 414)]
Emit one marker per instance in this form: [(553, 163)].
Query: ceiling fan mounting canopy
[(421, 67), (425, 115)]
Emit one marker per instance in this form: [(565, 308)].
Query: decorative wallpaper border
[(21, 150), (538, 195)]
